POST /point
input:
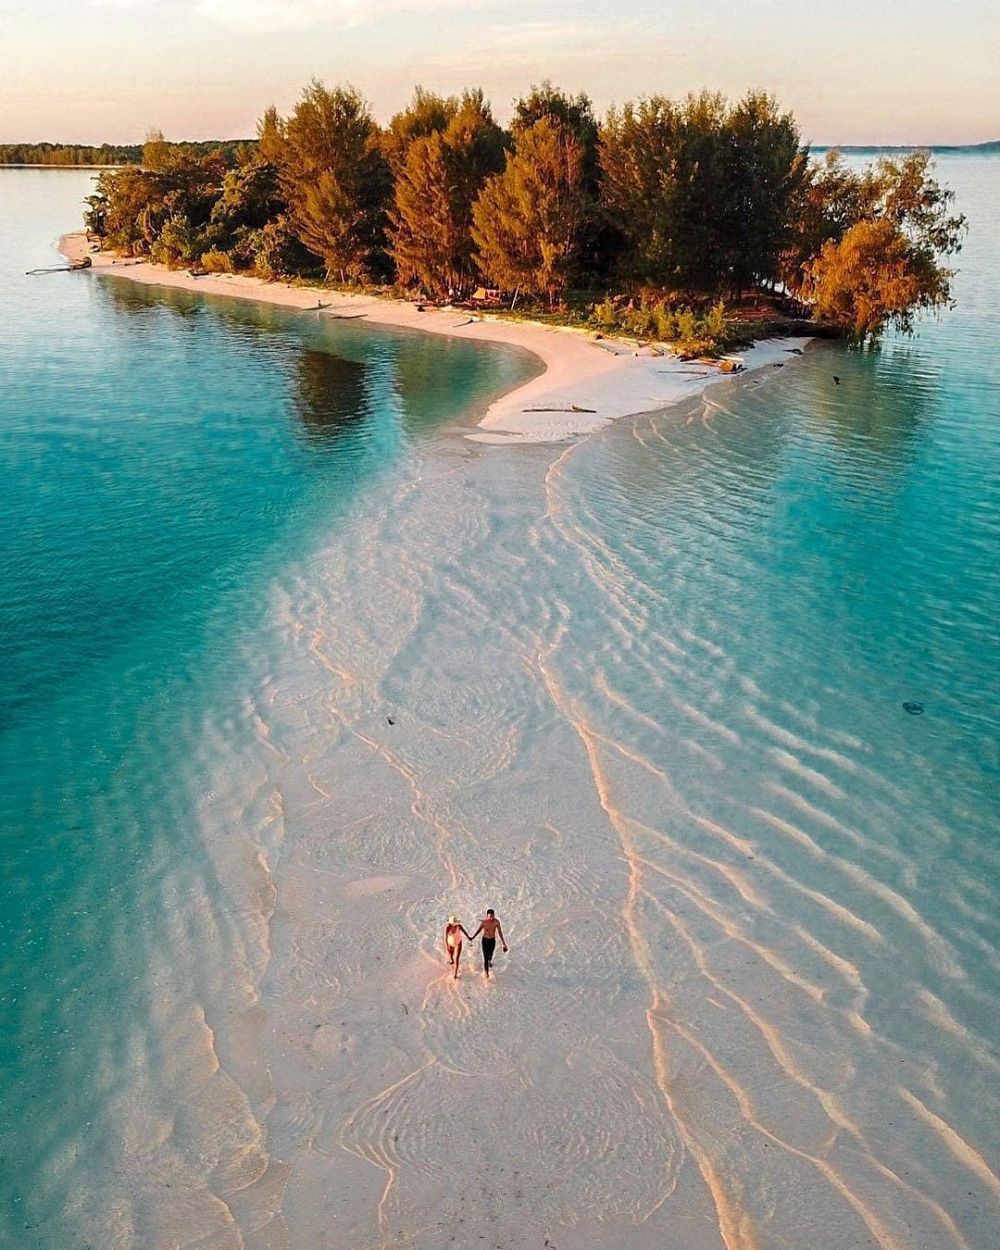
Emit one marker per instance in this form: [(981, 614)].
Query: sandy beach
[(587, 685), (585, 382)]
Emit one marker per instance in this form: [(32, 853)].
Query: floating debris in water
[(915, 709)]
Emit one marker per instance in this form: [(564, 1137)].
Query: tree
[(874, 277), (427, 114), (648, 156), (702, 189), (868, 244), (426, 239), (336, 180), (527, 221), (602, 241), (132, 207), (767, 171), (436, 187), (119, 209), (250, 197), (155, 151), (826, 202), (886, 229), (576, 113), (271, 137)]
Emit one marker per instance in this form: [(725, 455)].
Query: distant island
[(669, 221), (938, 149), (68, 155)]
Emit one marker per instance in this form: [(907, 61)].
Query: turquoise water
[(161, 460), (653, 680)]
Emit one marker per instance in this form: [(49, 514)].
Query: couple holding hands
[(489, 927)]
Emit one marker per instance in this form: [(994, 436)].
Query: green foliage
[(427, 114), (714, 322), (605, 315), (271, 137), (681, 201), (69, 154), (336, 180), (250, 197), (178, 243), (665, 323), (575, 113), (874, 277), (701, 189), (216, 261), (443, 173), (866, 248), (528, 221), (274, 251), (653, 319)]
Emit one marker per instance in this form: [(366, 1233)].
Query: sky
[(878, 71)]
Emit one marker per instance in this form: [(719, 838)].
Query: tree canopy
[(867, 244), (670, 203), (436, 186), (528, 221), (702, 189), (336, 180)]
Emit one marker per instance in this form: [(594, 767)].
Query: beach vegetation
[(639, 223), (701, 189), (872, 277), (528, 222), (217, 261), (68, 154), (868, 244), (437, 184), (649, 319), (337, 181), (426, 114), (275, 251)]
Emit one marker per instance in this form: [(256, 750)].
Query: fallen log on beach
[(84, 263), (571, 408)]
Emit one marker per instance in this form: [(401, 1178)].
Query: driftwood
[(83, 263), (571, 408)]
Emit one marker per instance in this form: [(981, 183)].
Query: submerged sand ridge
[(695, 1042), (413, 1109), (584, 382), (720, 1023)]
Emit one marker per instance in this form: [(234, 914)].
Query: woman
[(453, 941)]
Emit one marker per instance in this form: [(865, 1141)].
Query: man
[(489, 927), (453, 941)]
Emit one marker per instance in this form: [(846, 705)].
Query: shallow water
[(162, 461), (647, 694)]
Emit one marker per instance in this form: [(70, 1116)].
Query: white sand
[(602, 379), (690, 1045)]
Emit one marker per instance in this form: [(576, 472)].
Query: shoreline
[(584, 383), (769, 1063)]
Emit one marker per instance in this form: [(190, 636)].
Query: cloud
[(275, 15)]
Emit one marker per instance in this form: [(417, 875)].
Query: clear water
[(162, 459), (651, 683)]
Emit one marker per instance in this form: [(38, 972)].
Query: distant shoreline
[(584, 382), (988, 148), (46, 165)]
